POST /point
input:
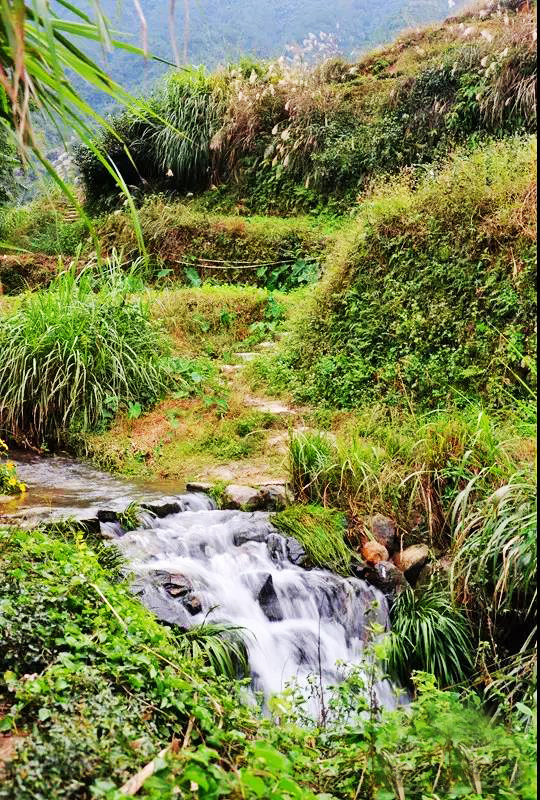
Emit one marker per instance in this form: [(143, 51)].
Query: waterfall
[(204, 565)]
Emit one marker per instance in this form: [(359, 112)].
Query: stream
[(199, 564)]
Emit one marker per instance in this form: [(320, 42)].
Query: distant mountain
[(221, 31)]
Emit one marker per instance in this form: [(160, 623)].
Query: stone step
[(246, 356), (231, 369), (266, 346)]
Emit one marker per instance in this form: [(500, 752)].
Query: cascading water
[(231, 566)]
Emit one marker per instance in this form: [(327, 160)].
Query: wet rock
[(178, 586), (424, 576), (199, 487), (276, 547), (295, 552), (385, 576), (107, 516), (384, 531), (373, 552), (193, 604), (268, 601), (91, 526), (241, 537), (275, 497), (411, 560), (241, 497), (163, 507)]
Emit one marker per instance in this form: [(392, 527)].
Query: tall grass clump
[(193, 104), (321, 532), (430, 634), (495, 545), (73, 355), (218, 645)]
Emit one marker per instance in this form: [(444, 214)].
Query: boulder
[(193, 604), (268, 601), (107, 516), (276, 547), (411, 560), (295, 552), (243, 497), (194, 486), (385, 576), (177, 586), (373, 552), (275, 497), (383, 530), (163, 507)]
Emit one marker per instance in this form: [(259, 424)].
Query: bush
[(71, 357)]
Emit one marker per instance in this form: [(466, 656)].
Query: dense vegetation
[(430, 295), (94, 687), (293, 137), (388, 287)]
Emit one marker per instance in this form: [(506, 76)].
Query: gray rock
[(242, 497), (385, 576), (107, 516), (193, 604), (163, 507), (268, 601), (178, 585), (276, 496), (384, 531), (199, 487), (241, 537), (295, 552), (411, 560), (277, 548)]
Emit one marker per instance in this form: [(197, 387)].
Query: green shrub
[(71, 357)]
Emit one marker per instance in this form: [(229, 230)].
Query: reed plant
[(495, 546), (73, 355)]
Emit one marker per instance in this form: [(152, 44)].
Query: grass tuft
[(321, 532)]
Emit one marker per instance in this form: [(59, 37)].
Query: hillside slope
[(277, 138)]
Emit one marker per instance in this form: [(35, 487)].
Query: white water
[(215, 564)]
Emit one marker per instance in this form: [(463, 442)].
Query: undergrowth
[(93, 688), (428, 297)]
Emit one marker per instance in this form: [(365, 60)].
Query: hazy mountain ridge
[(222, 31)]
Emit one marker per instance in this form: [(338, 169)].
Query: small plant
[(219, 645), (129, 517), (9, 483)]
